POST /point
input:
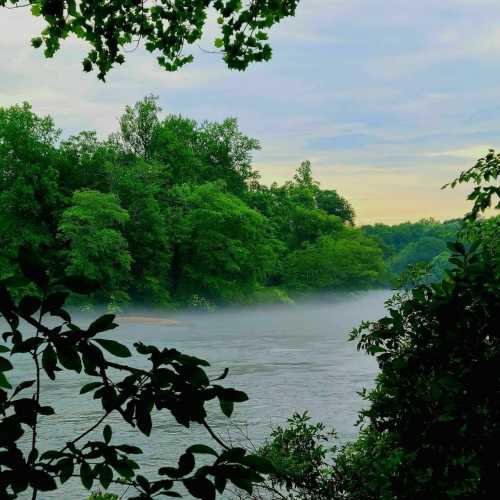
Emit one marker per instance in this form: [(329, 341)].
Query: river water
[(287, 359)]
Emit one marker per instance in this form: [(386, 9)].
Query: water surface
[(287, 358)]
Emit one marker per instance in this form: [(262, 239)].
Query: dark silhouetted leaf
[(114, 348), (227, 407), (102, 324), (4, 382), (202, 449), (86, 475), (69, 357), (81, 285), (32, 267), (143, 418), (42, 480), (90, 387), (29, 305), (107, 433), (49, 361), (105, 476), (200, 487), (5, 365)]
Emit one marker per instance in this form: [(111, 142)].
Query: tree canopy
[(164, 27), (167, 210)]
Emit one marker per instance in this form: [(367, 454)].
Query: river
[(287, 359)]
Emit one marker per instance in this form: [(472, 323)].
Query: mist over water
[(287, 358)]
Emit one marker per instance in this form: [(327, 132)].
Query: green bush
[(298, 451), (98, 495)]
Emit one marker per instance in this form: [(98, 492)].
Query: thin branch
[(212, 433), (37, 390)]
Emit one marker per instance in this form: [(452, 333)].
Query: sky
[(389, 99)]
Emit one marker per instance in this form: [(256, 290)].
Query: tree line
[(170, 211)]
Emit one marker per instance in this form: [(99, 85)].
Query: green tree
[(96, 248), (223, 248), (334, 204), (175, 148), (206, 152), (29, 193), (146, 230), (83, 162), (138, 127), (421, 251), (345, 261), (226, 154), (164, 26)]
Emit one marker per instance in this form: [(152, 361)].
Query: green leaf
[(86, 475), (123, 468), (55, 301), (143, 418), (4, 382), (90, 387), (219, 42), (105, 476), (128, 449), (32, 267), (232, 455), (36, 9), (5, 365), (36, 42), (4, 348), (107, 433), (29, 305), (50, 455), (259, 464), (41, 480), (227, 407), (49, 361), (202, 449), (186, 463), (102, 324), (143, 483), (81, 285), (200, 487), (66, 469), (46, 410), (10, 429), (242, 483), (22, 386), (68, 357), (114, 348), (232, 395), (220, 484)]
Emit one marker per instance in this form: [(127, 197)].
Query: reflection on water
[(289, 358)]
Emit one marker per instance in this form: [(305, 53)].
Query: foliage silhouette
[(173, 382), (165, 27), (431, 427)]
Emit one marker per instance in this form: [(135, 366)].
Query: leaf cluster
[(165, 27), (171, 382)]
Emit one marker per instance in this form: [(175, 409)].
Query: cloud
[(388, 98)]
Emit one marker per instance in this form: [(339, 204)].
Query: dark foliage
[(174, 382), (165, 27), (432, 426)]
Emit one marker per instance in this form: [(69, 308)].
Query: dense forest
[(170, 211)]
